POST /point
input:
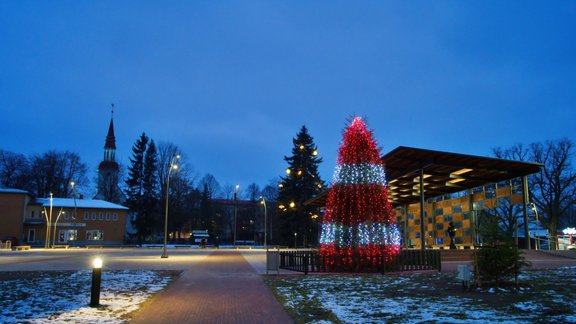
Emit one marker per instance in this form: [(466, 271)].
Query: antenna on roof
[(112, 110)]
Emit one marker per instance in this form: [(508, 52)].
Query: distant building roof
[(80, 203), (10, 190)]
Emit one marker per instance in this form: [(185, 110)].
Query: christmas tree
[(358, 222), (301, 183)]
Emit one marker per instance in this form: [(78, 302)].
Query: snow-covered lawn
[(63, 296), (543, 296)]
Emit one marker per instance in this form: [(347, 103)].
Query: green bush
[(498, 261), (499, 264)]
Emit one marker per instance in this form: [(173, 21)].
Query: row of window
[(101, 216), (488, 190)]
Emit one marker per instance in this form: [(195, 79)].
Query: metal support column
[(525, 209), (422, 232)]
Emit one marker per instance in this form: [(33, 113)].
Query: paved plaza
[(215, 286)]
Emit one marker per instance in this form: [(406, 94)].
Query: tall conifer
[(301, 183)]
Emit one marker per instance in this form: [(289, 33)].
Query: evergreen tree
[(301, 183), (137, 188), (150, 189), (358, 227)]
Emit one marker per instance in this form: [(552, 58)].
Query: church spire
[(108, 169), (110, 145)]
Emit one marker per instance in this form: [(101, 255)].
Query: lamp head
[(97, 263)]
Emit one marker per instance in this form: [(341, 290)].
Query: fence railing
[(405, 260)]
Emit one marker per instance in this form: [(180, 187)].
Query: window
[(439, 227), (100, 216), (94, 235), (66, 215), (439, 240), (439, 211), (517, 186), (456, 209), (107, 216), (447, 218), (115, 217), (417, 222), (32, 214), (467, 232), (93, 216), (503, 184), (490, 191), (466, 215), (478, 205), (410, 216), (504, 201), (85, 215)]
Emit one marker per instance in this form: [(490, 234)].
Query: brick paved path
[(223, 288)]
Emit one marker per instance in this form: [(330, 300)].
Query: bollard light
[(96, 279), (97, 263)]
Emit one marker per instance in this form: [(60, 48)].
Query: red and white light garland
[(358, 218)]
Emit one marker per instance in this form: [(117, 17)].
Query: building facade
[(464, 210), (44, 222)]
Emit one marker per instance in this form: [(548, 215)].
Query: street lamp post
[(295, 239), (172, 167), (235, 211), (48, 217), (537, 236), (263, 202), (74, 230), (56, 225)]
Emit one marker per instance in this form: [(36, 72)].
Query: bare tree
[(14, 170), (181, 185), (228, 191), (553, 190), (211, 184), (53, 171), (253, 192)]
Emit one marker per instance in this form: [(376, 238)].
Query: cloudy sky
[(232, 82)]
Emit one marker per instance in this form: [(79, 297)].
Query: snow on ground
[(64, 296), (412, 298)]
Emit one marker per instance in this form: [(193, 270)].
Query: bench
[(60, 246), (21, 247)]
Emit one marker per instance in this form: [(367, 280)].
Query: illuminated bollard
[(96, 276)]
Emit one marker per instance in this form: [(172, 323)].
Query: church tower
[(108, 170)]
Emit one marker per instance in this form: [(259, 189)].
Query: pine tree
[(141, 185), (301, 183), (150, 189), (358, 223)]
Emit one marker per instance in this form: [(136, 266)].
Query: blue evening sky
[(232, 82)]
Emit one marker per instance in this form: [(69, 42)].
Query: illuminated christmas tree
[(358, 225)]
